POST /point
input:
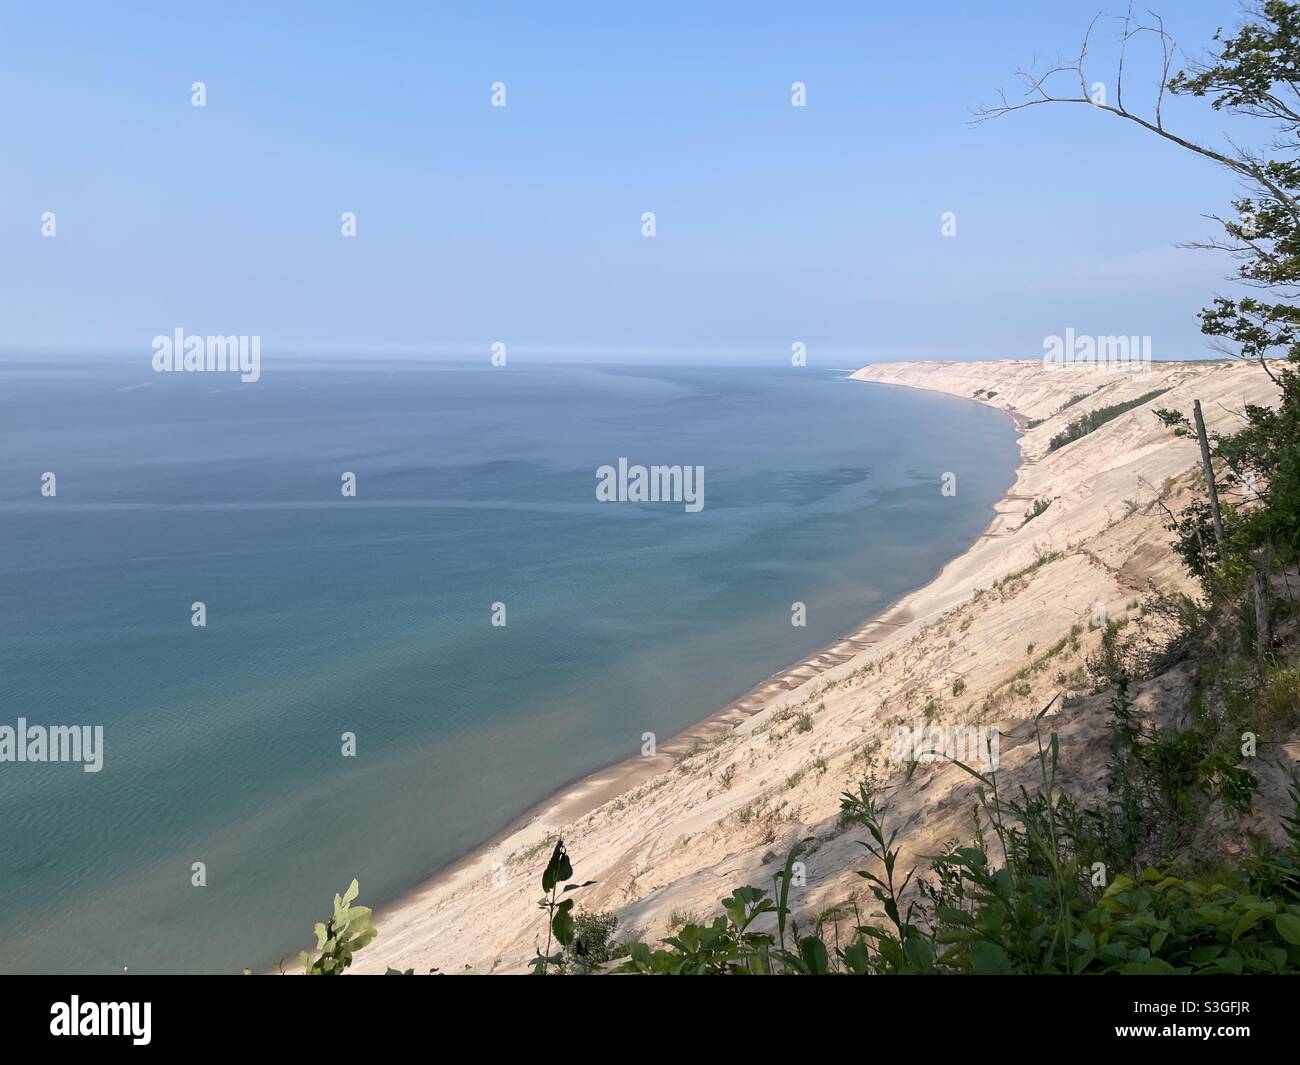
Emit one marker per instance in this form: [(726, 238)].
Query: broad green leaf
[(1288, 927), (989, 959)]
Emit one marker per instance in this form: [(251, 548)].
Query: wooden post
[(1263, 624), (1209, 475)]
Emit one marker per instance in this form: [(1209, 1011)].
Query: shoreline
[(1000, 630), (579, 797)]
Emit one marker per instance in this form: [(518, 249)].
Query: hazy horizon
[(561, 356), (521, 224)]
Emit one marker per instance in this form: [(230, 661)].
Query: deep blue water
[(371, 615)]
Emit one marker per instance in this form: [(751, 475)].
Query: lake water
[(372, 615)]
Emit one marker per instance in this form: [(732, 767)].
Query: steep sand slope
[(666, 838)]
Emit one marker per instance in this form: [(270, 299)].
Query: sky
[(523, 225)]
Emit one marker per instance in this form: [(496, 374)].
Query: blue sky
[(522, 224)]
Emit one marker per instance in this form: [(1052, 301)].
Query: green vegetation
[(1071, 894), (1259, 492), (1034, 423), (590, 948), (1011, 579), (1038, 507), (560, 925), (1093, 420), (1053, 906), (1247, 527), (342, 936), (1078, 397)]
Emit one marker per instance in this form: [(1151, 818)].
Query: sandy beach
[(989, 641)]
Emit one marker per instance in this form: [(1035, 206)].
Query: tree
[(1253, 73)]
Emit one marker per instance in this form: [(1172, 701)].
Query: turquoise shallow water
[(372, 615)]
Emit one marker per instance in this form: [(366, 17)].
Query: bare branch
[(1245, 163)]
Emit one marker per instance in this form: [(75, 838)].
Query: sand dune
[(718, 806)]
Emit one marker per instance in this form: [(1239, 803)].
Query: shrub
[(1115, 658), (1046, 910), (1094, 420), (1280, 697), (589, 948), (1039, 505)]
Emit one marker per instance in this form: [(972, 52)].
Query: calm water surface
[(371, 615)]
